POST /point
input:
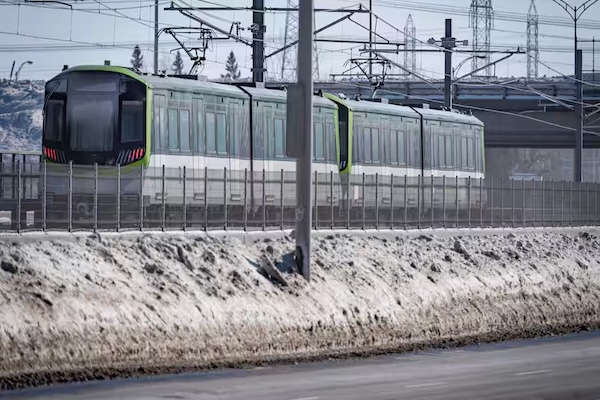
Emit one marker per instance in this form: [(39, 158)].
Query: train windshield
[(92, 122)]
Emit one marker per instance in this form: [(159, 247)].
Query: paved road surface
[(556, 368)]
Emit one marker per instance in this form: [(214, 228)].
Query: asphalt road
[(556, 368)]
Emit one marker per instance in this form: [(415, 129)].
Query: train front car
[(95, 137)]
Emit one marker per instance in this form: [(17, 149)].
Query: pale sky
[(51, 35)]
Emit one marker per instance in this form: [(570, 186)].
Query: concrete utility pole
[(155, 37), (258, 41), (300, 135), (449, 44), (575, 13)]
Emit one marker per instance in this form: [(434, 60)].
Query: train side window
[(199, 139), (356, 147), (156, 145), (376, 149), (221, 134), (470, 162), (393, 143), (244, 122), (463, 153), (449, 161), (386, 157), (184, 130), (332, 143), (318, 148), (211, 142), (401, 147), (234, 134), (367, 157), (173, 130), (279, 138)]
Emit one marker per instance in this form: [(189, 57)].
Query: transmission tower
[(290, 58), (410, 38), (481, 19), (533, 52)]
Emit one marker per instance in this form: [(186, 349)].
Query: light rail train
[(111, 118)]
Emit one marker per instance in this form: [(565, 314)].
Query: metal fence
[(39, 197)]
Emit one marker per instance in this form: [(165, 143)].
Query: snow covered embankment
[(99, 306)]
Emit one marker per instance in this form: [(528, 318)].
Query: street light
[(575, 13), (19, 70)]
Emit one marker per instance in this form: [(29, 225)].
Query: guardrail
[(39, 197)]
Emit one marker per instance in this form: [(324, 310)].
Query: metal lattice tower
[(533, 52), (410, 39), (290, 58), (481, 19)]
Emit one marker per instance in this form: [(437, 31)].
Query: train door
[(385, 159), (159, 142), (199, 149), (236, 179)]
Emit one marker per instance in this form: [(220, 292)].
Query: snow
[(105, 305)]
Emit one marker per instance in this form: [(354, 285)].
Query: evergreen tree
[(138, 59), (177, 66), (233, 73)]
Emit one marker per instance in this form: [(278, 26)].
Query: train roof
[(405, 111), (278, 95), (186, 85), (449, 116)]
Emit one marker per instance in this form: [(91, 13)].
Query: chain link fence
[(46, 197)]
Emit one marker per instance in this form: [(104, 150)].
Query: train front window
[(92, 122), (132, 121), (54, 120)]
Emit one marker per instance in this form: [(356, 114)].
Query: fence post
[(245, 199), (481, 202), (141, 197), (523, 204), (281, 202), (70, 198), (595, 203), (431, 197), (331, 208), (264, 200), (456, 182), (444, 201), (562, 202), (364, 202), (348, 202), (570, 203), (95, 210), (184, 205), (376, 200), (316, 204), (552, 204), (492, 202), (543, 204), (163, 199), (392, 202), (512, 189), (587, 204), (405, 202), (533, 201), (469, 196), (205, 199), (118, 197), (44, 193), (502, 202), (19, 190), (419, 200), (225, 214)]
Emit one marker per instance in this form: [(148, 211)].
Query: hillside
[(21, 115)]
